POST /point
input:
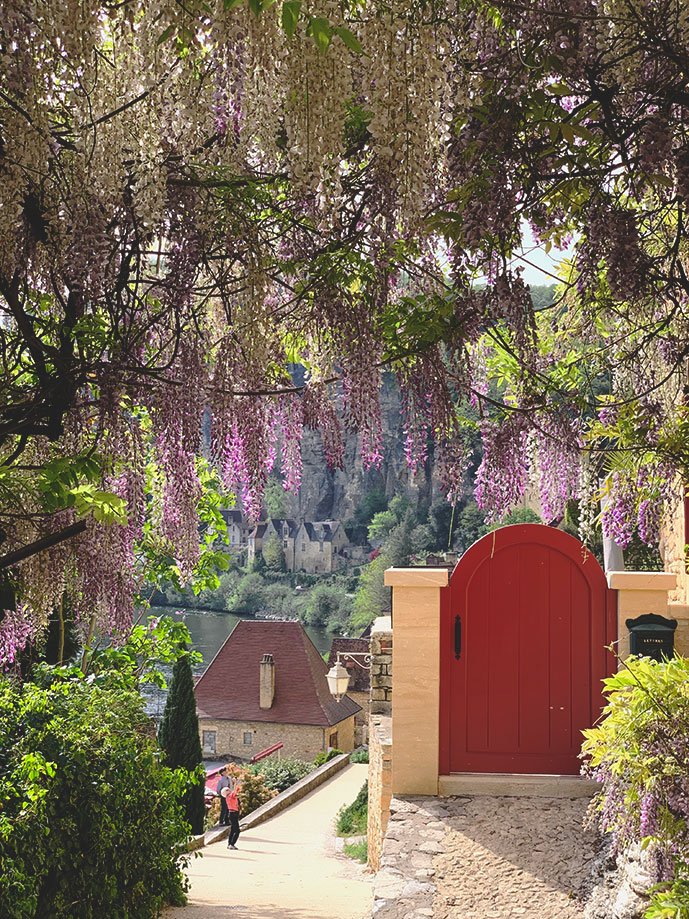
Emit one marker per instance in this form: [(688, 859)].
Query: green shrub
[(89, 818), (357, 850), (352, 819), (279, 774), (326, 755), (359, 756), (248, 595), (327, 605)]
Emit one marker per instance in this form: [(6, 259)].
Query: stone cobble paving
[(485, 858)]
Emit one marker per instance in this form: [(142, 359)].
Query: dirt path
[(286, 868)]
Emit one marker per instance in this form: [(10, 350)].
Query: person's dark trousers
[(234, 828), (224, 818)]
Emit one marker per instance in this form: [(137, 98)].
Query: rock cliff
[(325, 494)]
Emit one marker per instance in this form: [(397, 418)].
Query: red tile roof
[(359, 678), (228, 690)]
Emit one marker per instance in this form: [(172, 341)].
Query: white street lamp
[(338, 678)]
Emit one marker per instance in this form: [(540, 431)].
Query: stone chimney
[(266, 681)]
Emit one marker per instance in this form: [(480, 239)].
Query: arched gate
[(525, 622)]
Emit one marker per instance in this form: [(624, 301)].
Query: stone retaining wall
[(379, 785), (381, 666)]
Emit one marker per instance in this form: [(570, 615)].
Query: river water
[(208, 630)]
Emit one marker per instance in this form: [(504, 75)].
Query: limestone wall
[(381, 666), (672, 541), (302, 741), (379, 785), (361, 718)]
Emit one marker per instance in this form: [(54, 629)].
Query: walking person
[(226, 781), (232, 799)]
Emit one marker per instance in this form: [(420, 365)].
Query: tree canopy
[(197, 198)]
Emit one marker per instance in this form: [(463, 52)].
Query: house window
[(248, 738), (320, 548), (234, 539), (332, 740), (284, 544), (209, 738), (303, 547)]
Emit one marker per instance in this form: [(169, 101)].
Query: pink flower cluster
[(17, 629)]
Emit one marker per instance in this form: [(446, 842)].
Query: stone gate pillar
[(640, 592), (416, 677)]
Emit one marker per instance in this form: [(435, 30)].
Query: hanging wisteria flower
[(619, 510), (558, 452), (17, 630), (502, 477)]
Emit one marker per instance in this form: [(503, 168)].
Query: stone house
[(254, 542), (284, 530), (268, 684), (321, 547), (237, 531), (318, 547), (359, 679)]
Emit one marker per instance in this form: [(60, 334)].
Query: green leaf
[(165, 35), (256, 7), (290, 16), (321, 32), (230, 4), (349, 39)]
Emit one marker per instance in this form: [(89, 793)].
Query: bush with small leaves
[(280, 774), (90, 820), (353, 818), (326, 755)]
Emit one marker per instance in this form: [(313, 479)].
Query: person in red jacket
[(231, 796)]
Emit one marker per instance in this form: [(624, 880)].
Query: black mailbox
[(652, 636)]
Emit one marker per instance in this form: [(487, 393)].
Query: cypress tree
[(179, 737)]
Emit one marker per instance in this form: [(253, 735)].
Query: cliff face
[(325, 494)]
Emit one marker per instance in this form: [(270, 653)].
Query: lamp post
[(338, 678)]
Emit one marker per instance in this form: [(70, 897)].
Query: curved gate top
[(525, 622)]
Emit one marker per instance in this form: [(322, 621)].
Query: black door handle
[(458, 637)]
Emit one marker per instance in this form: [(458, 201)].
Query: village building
[(268, 684), (237, 531), (254, 545), (354, 655), (314, 547), (320, 547)]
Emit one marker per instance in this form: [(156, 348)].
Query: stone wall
[(672, 540), (381, 666), (302, 741), (361, 718), (379, 785)]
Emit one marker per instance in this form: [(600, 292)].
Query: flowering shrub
[(640, 755), (254, 791)]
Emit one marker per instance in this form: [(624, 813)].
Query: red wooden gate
[(525, 622)]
